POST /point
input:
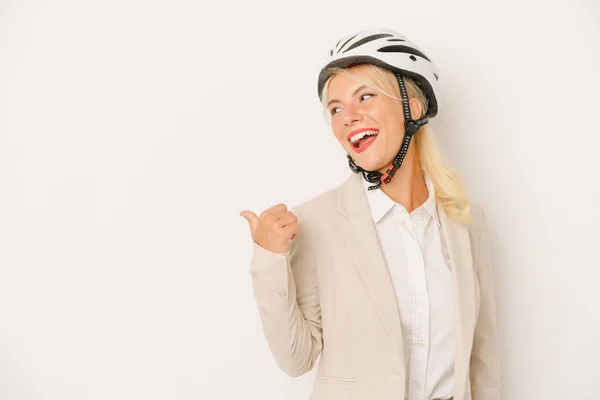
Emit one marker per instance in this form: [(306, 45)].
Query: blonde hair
[(449, 190)]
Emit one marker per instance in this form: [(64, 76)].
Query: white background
[(133, 132)]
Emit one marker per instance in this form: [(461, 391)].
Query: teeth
[(358, 136)]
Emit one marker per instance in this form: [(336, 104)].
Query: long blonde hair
[(449, 190)]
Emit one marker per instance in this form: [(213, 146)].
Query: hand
[(274, 229)]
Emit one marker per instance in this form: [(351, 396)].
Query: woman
[(387, 277)]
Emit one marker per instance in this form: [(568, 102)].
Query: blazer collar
[(380, 203)]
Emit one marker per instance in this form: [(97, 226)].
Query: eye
[(333, 110), (367, 96)]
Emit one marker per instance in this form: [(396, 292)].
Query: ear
[(415, 108)]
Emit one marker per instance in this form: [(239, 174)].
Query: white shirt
[(416, 255)]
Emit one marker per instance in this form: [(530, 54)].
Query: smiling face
[(368, 123)]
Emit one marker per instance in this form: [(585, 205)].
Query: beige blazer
[(331, 296)]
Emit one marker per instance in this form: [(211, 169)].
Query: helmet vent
[(402, 49), (346, 42), (367, 40)]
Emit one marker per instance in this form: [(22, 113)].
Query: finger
[(270, 220), (251, 218), (291, 230), (286, 219), (276, 208), (280, 214), (275, 219)]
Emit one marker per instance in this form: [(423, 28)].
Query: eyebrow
[(353, 94)]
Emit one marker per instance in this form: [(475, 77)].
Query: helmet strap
[(411, 127)]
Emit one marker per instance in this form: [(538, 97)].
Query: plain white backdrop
[(133, 132)]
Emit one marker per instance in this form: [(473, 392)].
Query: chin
[(372, 159), (369, 163)]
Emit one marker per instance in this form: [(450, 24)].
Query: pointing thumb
[(251, 218)]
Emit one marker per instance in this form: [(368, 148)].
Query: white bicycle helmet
[(387, 49)]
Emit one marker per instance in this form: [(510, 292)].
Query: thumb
[(251, 218)]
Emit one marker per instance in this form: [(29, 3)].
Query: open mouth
[(363, 139)]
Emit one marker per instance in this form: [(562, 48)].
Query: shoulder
[(314, 216), (317, 206), (323, 206)]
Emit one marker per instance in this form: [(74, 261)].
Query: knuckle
[(275, 225)]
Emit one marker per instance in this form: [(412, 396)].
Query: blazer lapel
[(361, 236), (459, 250)]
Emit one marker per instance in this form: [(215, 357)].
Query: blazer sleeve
[(286, 291), (485, 363)]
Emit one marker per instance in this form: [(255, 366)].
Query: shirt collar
[(381, 204)]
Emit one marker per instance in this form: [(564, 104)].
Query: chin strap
[(411, 127)]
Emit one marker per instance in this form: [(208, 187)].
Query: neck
[(408, 186)]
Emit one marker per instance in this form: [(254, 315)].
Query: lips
[(361, 130), (361, 139)]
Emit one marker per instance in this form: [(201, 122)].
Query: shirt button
[(282, 293)]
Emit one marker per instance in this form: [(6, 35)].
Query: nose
[(352, 116)]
